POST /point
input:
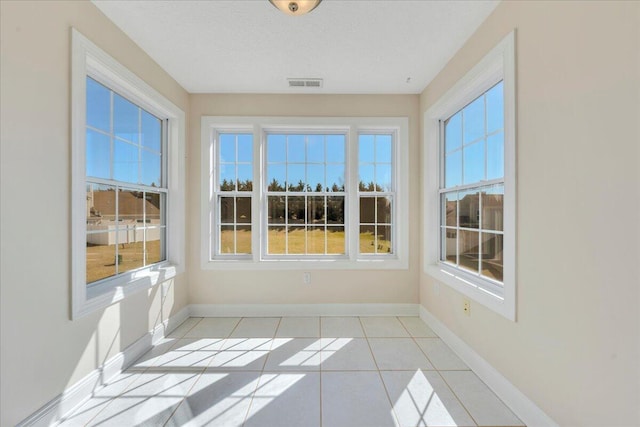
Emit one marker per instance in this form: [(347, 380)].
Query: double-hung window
[(472, 187), (376, 193), (470, 180), (127, 181), (234, 189), (126, 187), (305, 192)]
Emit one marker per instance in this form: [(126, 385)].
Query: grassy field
[(315, 243), (101, 258)]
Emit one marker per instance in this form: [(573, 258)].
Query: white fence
[(125, 233)]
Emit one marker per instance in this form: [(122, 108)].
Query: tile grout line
[(491, 391), (183, 336), (396, 419), (198, 374), (185, 396), (224, 340), (201, 372), (132, 380), (244, 420), (458, 398), (113, 398), (261, 374), (435, 369), (139, 374)]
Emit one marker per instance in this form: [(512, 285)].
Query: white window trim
[(498, 64), (89, 60), (352, 125)]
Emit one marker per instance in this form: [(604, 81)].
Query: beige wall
[(42, 351), (286, 287), (574, 349)]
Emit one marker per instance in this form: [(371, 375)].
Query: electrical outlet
[(466, 307), (306, 278)]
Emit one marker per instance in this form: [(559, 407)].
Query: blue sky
[(314, 159), (471, 155), (136, 137), (129, 151)]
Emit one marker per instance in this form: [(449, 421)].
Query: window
[(375, 192), (470, 179), (304, 193), (126, 192), (472, 191), (234, 189), (126, 181)]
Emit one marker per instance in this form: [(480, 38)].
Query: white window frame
[(498, 65), (352, 126), (89, 60), (385, 193), (216, 195), (264, 206)]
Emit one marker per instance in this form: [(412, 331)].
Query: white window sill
[(112, 291), (305, 264), (466, 287)]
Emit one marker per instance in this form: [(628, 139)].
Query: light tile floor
[(298, 372)]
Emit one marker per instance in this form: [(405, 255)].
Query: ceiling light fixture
[(295, 7)]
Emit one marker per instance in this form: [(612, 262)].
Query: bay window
[(304, 192)]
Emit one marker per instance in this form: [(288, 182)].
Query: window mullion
[(375, 220), (457, 229), (352, 199), (325, 229), (259, 201), (140, 145), (117, 227), (486, 137), (480, 233), (235, 220), (306, 225), (144, 229), (112, 141)]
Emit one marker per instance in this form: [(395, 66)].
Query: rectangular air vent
[(305, 83)]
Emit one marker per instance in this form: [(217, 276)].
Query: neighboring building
[(136, 210)]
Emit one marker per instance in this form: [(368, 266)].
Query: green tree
[(245, 185), (275, 185), (227, 185)]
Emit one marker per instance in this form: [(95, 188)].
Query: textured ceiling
[(248, 46)]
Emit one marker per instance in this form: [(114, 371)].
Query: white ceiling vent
[(305, 83)]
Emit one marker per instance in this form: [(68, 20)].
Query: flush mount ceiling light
[(295, 7)]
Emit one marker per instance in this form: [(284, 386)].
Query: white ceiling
[(248, 46)]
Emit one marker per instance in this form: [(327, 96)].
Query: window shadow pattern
[(242, 372)]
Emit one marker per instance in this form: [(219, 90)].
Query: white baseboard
[(520, 404), (288, 310), (72, 397), (78, 393), (166, 327), (52, 412)]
